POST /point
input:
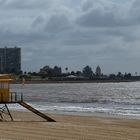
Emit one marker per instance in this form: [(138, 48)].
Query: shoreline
[(86, 114), (71, 81), (94, 114), (28, 126)]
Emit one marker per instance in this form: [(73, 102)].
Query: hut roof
[(5, 77)]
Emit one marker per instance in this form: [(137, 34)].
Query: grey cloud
[(97, 36), (2, 2), (136, 4), (71, 32), (87, 5), (27, 4), (109, 17), (38, 21), (113, 51), (57, 23), (135, 10), (80, 37), (125, 34), (97, 18)]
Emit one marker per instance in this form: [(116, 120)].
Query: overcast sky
[(73, 33)]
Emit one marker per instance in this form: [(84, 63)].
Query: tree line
[(55, 73)]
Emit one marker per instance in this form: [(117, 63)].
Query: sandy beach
[(28, 126)]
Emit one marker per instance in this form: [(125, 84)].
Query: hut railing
[(16, 97)]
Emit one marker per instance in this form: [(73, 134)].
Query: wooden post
[(11, 97), (15, 96), (9, 112), (22, 97)]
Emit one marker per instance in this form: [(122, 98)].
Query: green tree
[(119, 74), (78, 73), (72, 73), (66, 69), (87, 71)]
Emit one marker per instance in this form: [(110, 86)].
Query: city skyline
[(73, 34)]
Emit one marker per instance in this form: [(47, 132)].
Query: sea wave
[(82, 108), (109, 98)]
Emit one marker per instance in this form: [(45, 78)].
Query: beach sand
[(28, 126)]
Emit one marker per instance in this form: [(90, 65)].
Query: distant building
[(10, 60), (56, 71), (45, 70), (98, 71)]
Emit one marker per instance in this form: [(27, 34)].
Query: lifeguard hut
[(7, 97), (4, 88)]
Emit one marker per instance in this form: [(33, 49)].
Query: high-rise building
[(10, 60)]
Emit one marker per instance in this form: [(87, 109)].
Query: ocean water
[(103, 98)]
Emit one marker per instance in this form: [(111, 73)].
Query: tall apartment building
[(10, 60)]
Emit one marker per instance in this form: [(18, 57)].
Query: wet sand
[(28, 126)]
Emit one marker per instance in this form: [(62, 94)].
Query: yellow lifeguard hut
[(7, 97), (4, 88)]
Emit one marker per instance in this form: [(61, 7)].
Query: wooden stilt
[(36, 112), (9, 112), (5, 111)]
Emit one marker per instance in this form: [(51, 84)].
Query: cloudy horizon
[(73, 34)]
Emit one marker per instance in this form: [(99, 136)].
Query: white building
[(98, 71)]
